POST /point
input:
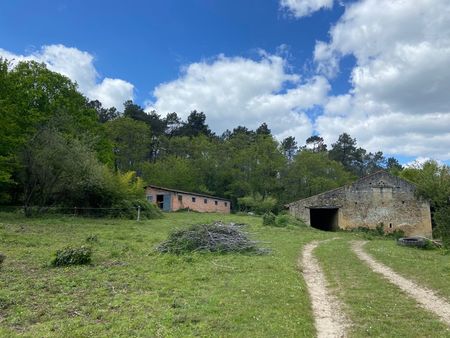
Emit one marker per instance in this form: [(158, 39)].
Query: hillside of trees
[(59, 148)]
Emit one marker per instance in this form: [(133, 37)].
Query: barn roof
[(364, 178), (186, 192)]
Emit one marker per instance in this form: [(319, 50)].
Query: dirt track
[(425, 297), (329, 319)]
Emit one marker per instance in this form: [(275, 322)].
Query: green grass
[(130, 290), (376, 307), (430, 268)]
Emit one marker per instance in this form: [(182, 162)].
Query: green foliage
[(258, 203), (72, 256), (433, 184), (131, 141), (269, 219), (128, 209), (311, 173)]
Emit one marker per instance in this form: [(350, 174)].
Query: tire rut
[(424, 297), (329, 319)]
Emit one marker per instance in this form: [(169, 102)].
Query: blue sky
[(302, 66)]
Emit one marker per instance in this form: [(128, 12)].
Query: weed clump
[(72, 256), (214, 237), (269, 219)]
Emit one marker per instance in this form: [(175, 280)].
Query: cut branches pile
[(214, 237)]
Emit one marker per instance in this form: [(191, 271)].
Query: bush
[(215, 237), (269, 219), (128, 209), (2, 258), (72, 256), (257, 203), (92, 239)]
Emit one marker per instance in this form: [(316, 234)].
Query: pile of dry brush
[(214, 237)]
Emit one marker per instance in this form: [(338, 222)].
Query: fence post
[(75, 211), (139, 213)]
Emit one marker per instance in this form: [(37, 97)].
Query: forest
[(58, 148)]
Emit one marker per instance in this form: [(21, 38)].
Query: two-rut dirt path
[(329, 319)]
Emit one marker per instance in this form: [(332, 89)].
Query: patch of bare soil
[(425, 297), (329, 319)]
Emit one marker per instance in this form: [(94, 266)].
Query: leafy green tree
[(316, 144), (289, 147), (131, 140), (433, 183), (310, 174), (195, 125)]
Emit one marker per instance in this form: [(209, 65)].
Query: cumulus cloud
[(301, 8), (400, 99), (239, 91), (79, 67)]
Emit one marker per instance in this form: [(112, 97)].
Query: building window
[(215, 202), (150, 198), (193, 199), (390, 225), (180, 198), (226, 204), (205, 201)]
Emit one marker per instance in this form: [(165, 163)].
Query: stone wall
[(375, 199)]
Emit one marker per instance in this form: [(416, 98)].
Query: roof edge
[(186, 192)]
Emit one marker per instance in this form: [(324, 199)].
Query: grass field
[(131, 290)]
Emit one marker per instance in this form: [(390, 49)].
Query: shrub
[(269, 219), (72, 256), (128, 209), (2, 258), (215, 237), (258, 203)]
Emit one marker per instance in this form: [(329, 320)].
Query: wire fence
[(35, 211)]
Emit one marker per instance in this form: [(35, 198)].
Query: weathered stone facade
[(376, 199)]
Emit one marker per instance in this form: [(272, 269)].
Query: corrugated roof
[(186, 192)]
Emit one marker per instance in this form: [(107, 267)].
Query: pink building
[(172, 200)]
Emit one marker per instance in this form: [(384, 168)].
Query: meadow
[(130, 289)]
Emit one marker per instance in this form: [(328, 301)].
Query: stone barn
[(172, 200), (380, 198)]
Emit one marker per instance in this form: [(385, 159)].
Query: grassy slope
[(430, 268), (129, 290), (376, 308)]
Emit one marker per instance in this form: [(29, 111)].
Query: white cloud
[(400, 99), (238, 91), (300, 8), (79, 67)]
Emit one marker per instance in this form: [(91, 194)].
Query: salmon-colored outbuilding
[(172, 200)]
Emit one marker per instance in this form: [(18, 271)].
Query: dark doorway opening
[(324, 218), (160, 201)]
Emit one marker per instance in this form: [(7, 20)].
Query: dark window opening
[(403, 202), (324, 219), (390, 225), (180, 198), (226, 204), (193, 199), (215, 202), (205, 201)]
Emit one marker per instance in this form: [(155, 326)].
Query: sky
[(376, 69)]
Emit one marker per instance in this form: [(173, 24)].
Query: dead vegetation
[(214, 237)]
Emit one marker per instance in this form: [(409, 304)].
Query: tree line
[(59, 148)]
